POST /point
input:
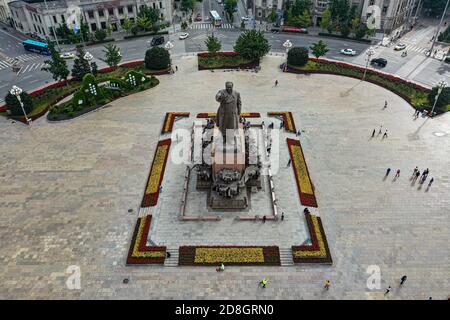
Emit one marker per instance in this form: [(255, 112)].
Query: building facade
[(5, 13), (38, 18), (264, 8)]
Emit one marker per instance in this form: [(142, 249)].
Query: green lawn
[(222, 61)]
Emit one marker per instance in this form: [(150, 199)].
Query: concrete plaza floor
[(66, 189)]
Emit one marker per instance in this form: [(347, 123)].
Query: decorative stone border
[(205, 115), (229, 255), (289, 124), (170, 119), (318, 251), (156, 175), (139, 252), (302, 178)]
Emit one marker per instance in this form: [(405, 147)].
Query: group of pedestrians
[(385, 135), (402, 281), (423, 177)]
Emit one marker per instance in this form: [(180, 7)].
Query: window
[(160, 5), (122, 21), (55, 20), (101, 13), (385, 9), (93, 26), (120, 10), (154, 5), (103, 23), (63, 19), (40, 21), (130, 9), (91, 14), (111, 11), (35, 30)]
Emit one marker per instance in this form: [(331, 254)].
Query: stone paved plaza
[(66, 189)]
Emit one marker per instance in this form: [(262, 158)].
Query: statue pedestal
[(228, 156)]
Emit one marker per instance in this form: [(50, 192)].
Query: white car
[(184, 35), (348, 52), (245, 18), (400, 46), (67, 55)]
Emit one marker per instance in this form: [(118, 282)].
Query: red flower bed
[(156, 174), (170, 119), (223, 53), (204, 115), (132, 63), (140, 252), (289, 123)]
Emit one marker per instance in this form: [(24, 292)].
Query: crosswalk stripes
[(31, 68), (411, 47), (210, 26), (4, 64)]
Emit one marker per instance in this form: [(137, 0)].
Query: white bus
[(215, 18)]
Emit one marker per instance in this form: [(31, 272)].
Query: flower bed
[(228, 255), (170, 119), (140, 252), (289, 124), (243, 114), (318, 251), (302, 178), (415, 94), (224, 60), (156, 175)]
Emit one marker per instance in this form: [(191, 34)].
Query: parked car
[(400, 46), (379, 61), (67, 55), (184, 35), (156, 41), (198, 17), (246, 18), (348, 52)]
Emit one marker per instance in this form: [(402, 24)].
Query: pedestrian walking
[(431, 181), (379, 132), (373, 133), (415, 170), (388, 171), (221, 268), (268, 150), (289, 163), (168, 255), (264, 219), (327, 285), (276, 83), (282, 216), (160, 189), (397, 175), (385, 134), (388, 290), (281, 124), (263, 283), (385, 104), (176, 68), (417, 175), (403, 279)]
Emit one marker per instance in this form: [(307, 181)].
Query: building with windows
[(319, 6), (263, 8), (38, 17), (4, 11)]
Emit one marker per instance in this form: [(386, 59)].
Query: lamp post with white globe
[(287, 45), (441, 85), (88, 57), (370, 52), (169, 46), (16, 91)]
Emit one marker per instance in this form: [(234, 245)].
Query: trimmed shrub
[(298, 56), (157, 58), (13, 105), (134, 78)]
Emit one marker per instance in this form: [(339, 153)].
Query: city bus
[(215, 18), (36, 46)]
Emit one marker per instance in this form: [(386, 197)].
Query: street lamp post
[(438, 29), (370, 52), (287, 45), (16, 91), (441, 85), (169, 46)]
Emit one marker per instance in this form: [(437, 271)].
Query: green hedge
[(146, 34)]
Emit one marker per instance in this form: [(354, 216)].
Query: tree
[(184, 25), (443, 101), (187, 5), (252, 44), (80, 66), (112, 55), (356, 23), (157, 58), (304, 20), (297, 56), (434, 7), (230, 8), (144, 22), (57, 66), (319, 49), (326, 22), (152, 14), (273, 16), (299, 7), (213, 44), (100, 35), (127, 24), (13, 104)]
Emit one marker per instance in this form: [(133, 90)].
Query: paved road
[(415, 67)]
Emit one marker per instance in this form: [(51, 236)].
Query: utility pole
[(52, 26), (438, 29)]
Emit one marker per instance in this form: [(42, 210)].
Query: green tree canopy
[(81, 66), (57, 66), (100, 35), (319, 49), (127, 24), (157, 58), (326, 22), (230, 8), (297, 56), (187, 5), (112, 55), (443, 102), (213, 44), (252, 44), (13, 105)]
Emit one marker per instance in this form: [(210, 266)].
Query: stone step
[(286, 258), (173, 260)]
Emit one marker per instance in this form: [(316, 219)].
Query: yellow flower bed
[(229, 255), (158, 165), (144, 254), (302, 173), (318, 253), (167, 128)]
